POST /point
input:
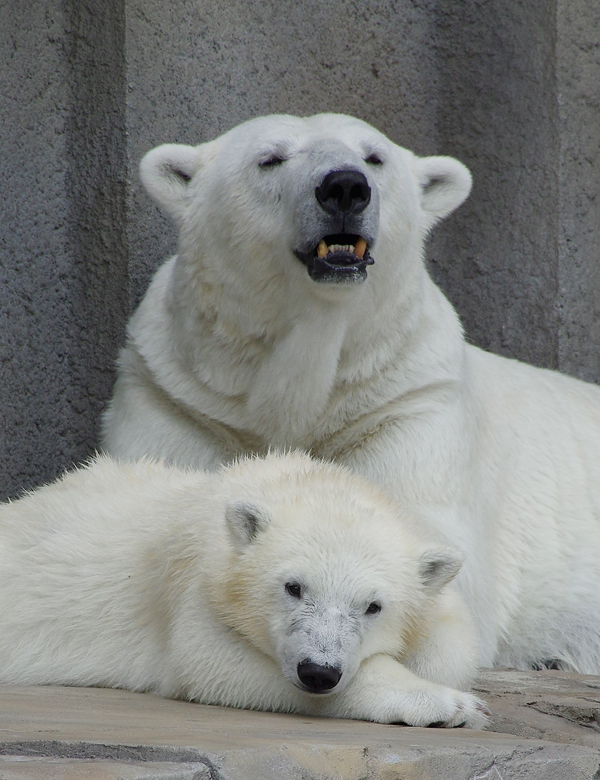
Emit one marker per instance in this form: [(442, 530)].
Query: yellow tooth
[(322, 249), (360, 248)]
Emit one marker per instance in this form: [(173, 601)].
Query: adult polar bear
[(272, 328)]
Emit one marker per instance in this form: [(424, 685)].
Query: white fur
[(149, 578), (235, 349)]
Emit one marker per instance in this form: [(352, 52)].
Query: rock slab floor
[(545, 726)]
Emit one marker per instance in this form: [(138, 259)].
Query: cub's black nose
[(316, 678), (344, 192)]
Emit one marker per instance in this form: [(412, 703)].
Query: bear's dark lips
[(340, 257), (314, 693)]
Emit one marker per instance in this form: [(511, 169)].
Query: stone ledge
[(555, 706), (92, 733)]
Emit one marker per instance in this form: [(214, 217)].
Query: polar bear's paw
[(385, 691), (442, 708)]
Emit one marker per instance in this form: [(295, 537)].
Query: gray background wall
[(510, 88)]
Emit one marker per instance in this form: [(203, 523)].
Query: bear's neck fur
[(263, 365)]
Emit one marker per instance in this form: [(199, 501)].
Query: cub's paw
[(471, 713), (444, 708)]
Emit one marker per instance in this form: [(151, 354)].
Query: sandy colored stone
[(551, 705), (66, 733), (30, 768)]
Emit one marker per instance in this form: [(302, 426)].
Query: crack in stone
[(83, 750), (585, 718), (371, 772), (492, 773)]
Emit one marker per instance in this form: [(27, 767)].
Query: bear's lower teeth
[(359, 250)]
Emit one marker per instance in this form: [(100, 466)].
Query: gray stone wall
[(578, 92), (498, 113), (63, 256), (511, 89)]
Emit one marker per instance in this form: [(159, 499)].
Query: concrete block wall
[(511, 89), (63, 237)]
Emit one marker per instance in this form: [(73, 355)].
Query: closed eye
[(374, 159), (273, 159)]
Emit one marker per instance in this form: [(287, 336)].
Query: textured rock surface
[(550, 705), (63, 285), (68, 733), (578, 83)]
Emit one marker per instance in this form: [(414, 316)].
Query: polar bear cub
[(279, 584)]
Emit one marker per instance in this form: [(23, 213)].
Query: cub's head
[(327, 199), (323, 570)]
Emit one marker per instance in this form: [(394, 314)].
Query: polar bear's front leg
[(446, 649), (386, 692)]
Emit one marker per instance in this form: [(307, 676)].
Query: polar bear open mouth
[(341, 257)]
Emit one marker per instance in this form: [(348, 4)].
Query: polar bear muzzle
[(340, 257)]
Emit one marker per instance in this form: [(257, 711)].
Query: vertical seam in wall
[(557, 182), (97, 194)]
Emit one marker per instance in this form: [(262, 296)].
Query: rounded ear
[(445, 183), (166, 173), (245, 521), (438, 567)]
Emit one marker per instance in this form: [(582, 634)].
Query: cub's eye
[(373, 608), (269, 162), (374, 159), (293, 589)]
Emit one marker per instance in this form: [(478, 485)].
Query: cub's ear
[(166, 173), (438, 567), (445, 183), (245, 521)]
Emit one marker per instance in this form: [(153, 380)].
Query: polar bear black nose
[(316, 678), (344, 192)]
